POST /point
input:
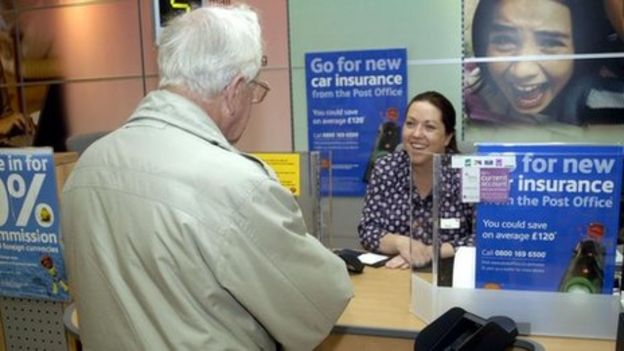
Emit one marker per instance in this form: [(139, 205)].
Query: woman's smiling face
[(531, 28), (423, 133)]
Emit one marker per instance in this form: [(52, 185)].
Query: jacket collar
[(175, 110), (180, 112)]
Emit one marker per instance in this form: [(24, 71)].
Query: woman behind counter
[(429, 129)]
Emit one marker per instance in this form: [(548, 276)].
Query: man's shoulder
[(184, 160)]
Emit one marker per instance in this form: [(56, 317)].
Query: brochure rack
[(32, 315)]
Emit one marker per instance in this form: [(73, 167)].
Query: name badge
[(449, 223)]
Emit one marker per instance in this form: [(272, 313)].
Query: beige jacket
[(176, 241)]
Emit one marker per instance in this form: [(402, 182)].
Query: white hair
[(203, 50)]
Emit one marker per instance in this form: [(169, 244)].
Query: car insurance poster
[(558, 229), (31, 259), (356, 100)]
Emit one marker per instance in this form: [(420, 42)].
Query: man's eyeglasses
[(260, 90)]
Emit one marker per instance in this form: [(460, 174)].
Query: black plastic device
[(458, 330), (619, 342), (350, 257)]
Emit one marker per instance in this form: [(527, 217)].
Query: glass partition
[(316, 195), (307, 175), (533, 231)]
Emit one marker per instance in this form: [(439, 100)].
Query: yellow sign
[(180, 5), (287, 167)]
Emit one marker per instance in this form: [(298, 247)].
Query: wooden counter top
[(382, 298), (378, 318)]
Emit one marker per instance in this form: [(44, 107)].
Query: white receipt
[(371, 258)]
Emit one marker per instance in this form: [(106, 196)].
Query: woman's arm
[(371, 226), (414, 251)]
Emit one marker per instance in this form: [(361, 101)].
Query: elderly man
[(177, 241)]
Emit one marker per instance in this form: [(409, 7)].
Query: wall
[(270, 128), (105, 60)]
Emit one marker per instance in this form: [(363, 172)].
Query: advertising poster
[(573, 79), (564, 86), (356, 100), (558, 229), (31, 257)]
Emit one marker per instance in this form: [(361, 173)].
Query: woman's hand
[(397, 262), (394, 244), (421, 253), (418, 253), (472, 78)]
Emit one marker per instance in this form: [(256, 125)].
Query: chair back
[(80, 142)]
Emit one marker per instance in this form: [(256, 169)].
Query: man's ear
[(231, 94)]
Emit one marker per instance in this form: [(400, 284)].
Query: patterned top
[(387, 205)]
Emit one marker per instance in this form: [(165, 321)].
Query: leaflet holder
[(463, 331)]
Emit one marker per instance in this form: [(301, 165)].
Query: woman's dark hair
[(448, 114)]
